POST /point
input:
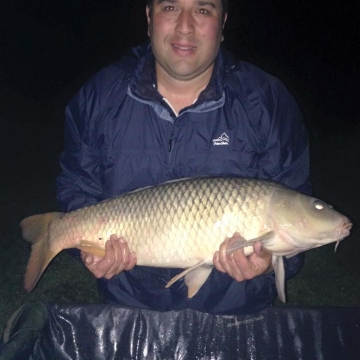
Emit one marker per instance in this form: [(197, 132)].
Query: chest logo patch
[(222, 140)]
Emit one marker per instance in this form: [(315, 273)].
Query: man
[(181, 107)]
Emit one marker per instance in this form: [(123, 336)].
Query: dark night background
[(49, 48)]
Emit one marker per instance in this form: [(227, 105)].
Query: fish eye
[(319, 205)]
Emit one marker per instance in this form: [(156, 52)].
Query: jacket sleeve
[(79, 183), (285, 156), (286, 151)]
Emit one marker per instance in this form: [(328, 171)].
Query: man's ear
[(148, 17), (225, 18), (223, 26)]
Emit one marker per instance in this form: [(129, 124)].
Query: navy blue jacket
[(121, 135)]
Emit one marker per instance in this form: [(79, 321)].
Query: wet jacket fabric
[(121, 135)]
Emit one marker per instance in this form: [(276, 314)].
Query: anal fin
[(195, 277)]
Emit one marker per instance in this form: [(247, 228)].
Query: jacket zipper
[(171, 145)]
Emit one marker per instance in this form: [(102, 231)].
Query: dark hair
[(224, 3)]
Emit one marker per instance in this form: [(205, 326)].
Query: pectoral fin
[(241, 242), (91, 248), (279, 270), (195, 277)]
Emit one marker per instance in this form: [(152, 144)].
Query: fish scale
[(192, 208)]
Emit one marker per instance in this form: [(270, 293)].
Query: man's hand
[(239, 266), (118, 258)]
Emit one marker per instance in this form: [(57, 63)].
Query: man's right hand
[(118, 258)]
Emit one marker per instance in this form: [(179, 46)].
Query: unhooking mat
[(40, 331)]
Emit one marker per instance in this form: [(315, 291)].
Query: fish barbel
[(181, 224)]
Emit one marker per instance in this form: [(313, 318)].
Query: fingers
[(224, 259), (258, 249), (118, 258), (216, 262), (262, 258), (108, 265), (239, 266), (132, 261)]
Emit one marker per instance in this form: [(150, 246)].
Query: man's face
[(185, 35)]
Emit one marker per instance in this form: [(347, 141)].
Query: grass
[(30, 189)]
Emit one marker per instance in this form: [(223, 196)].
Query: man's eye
[(204, 11), (169, 8)]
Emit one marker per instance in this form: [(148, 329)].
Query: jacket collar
[(143, 81)]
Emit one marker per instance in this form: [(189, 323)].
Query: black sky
[(310, 45)]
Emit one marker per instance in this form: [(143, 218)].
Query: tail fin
[(35, 230)]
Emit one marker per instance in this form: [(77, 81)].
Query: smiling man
[(185, 39), (181, 106)]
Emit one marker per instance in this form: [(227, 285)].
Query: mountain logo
[(222, 140)]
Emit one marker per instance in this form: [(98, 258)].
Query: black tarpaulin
[(44, 331)]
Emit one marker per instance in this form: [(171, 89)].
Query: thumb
[(258, 248), (87, 258)]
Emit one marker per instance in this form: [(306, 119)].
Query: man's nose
[(185, 24)]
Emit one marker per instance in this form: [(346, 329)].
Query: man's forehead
[(212, 3)]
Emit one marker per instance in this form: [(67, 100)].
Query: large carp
[(181, 224)]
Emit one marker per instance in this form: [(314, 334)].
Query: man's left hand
[(239, 266)]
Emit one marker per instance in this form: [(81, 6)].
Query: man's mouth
[(184, 47)]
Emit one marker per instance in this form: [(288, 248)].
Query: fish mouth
[(343, 232)]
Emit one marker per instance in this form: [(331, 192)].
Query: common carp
[(181, 224)]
